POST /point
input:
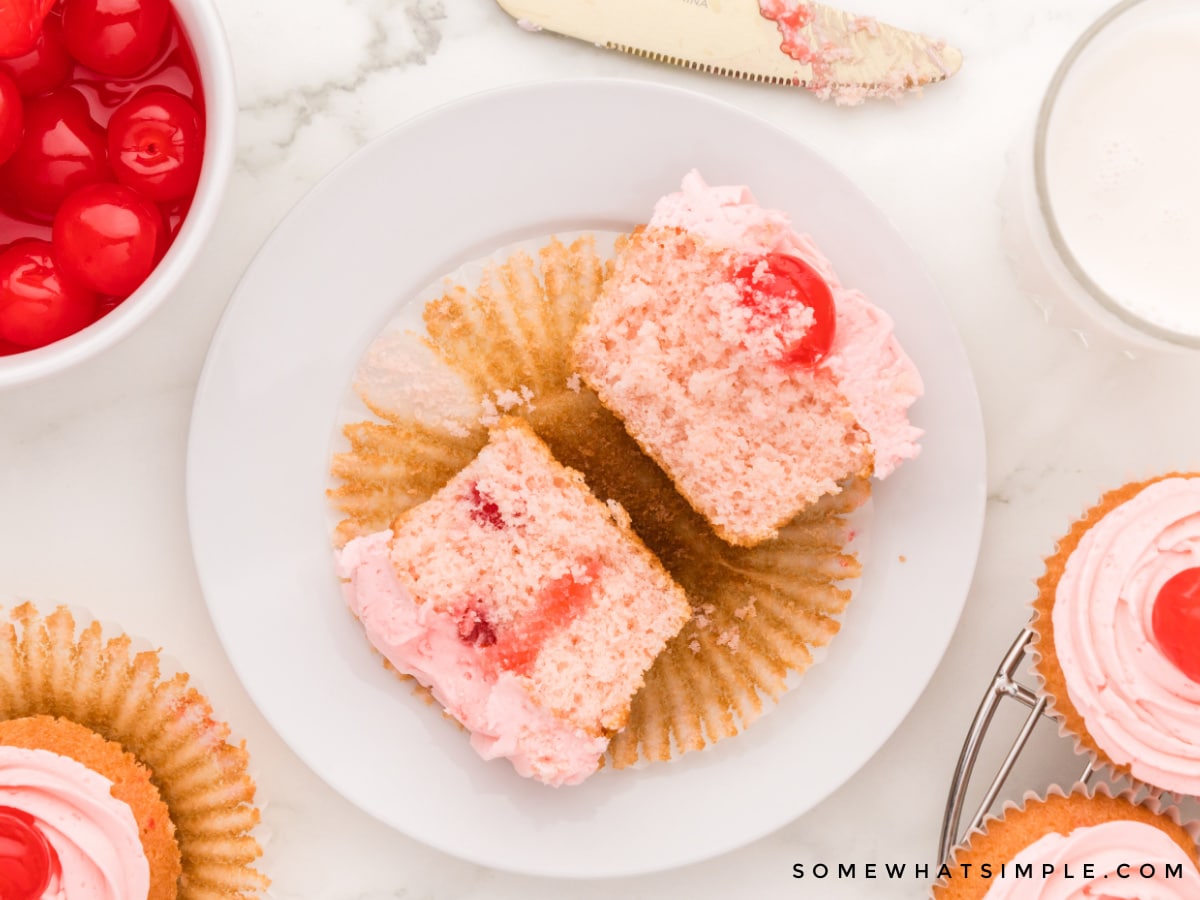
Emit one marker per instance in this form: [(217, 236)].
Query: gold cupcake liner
[(758, 613), (1043, 654), (994, 841), (47, 668)]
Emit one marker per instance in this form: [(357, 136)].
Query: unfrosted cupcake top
[(1121, 623), (77, 840), (1113, 853)]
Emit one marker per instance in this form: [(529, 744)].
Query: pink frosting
[(1139, 707), (798, 31), (875, 375), (418, 640), (1116, 851), (94, 835), (793, 17)]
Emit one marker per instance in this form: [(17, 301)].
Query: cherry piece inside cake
[(736, 359), (528, 607)]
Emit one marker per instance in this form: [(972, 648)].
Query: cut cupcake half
[(529, 608), (736, 359)]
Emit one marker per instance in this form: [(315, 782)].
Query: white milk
[(1123, 164)]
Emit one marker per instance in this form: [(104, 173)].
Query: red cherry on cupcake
[(155, 144), (46, 66), (61, 151), (106, 237), (785, 279), (38, 303), (12, 118), (27, 861), (20, 25), (1176, 621), (116, 37)]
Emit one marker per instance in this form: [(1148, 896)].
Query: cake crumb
[(619, 515), (504, 402), (730, 638), (508, 400), (903, 558), (574, 383), (747, 611), (419, 690)]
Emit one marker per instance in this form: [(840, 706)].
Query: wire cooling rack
[(1004, 686)]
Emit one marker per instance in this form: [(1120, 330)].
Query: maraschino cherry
[(27, 861), (38, 303), (1177, 621), (12, 118), (20, 25), (46, 66), (783, 279)]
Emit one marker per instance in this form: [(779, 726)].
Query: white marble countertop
[(92, 461)]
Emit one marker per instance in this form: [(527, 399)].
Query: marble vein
[(393, 37)]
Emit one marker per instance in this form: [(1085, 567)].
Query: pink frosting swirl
[(1140, 709), (1115, 853), (94, 835)]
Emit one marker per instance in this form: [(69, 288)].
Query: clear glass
[(1070, 291)]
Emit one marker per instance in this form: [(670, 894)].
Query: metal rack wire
[(1003, 686)]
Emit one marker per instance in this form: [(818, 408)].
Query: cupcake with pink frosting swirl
[(1078, 846), (80, 817), (116, 782), (1118, 632)]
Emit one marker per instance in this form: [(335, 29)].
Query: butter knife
[(832, 53)]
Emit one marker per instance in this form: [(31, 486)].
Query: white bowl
[(202, 25)]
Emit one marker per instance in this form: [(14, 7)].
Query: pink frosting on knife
[(1139, 707), (425, 643), (94, 835), (873, 372), (1106, 848)]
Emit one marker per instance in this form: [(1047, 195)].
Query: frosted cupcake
[(115, 781), (1118, 632), (1072, 847)]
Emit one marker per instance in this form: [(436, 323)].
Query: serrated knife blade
[(854, 57)]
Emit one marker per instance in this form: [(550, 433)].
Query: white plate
[(452, 186)]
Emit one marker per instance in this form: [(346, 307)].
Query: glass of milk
[(1103, 204)]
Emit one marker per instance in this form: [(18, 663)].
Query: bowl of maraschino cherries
[(116, 142)]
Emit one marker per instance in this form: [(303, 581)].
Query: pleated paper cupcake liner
[(55, 666), (502, 347)]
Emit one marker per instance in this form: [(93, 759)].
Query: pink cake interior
[(701, 377), (525, 604)]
